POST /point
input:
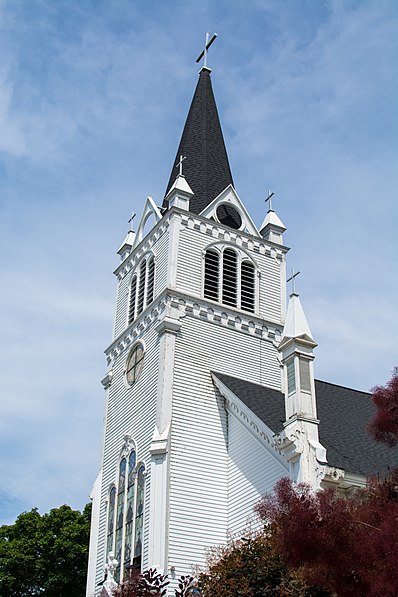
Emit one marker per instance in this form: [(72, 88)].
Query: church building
[(210, 394)]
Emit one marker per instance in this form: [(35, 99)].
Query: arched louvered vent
[(247, 286), (141, 287), (133, 299), (229, 278), (150, 281), (212, 272)]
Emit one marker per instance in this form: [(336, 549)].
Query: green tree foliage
[(45, 554)]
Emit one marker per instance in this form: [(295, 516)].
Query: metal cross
[(207, 46), (270, 195), (133, 214), (292, 277), (179, 164)]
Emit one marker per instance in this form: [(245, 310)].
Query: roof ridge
[(330, 383)]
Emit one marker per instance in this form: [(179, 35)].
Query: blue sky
[(93, 97)]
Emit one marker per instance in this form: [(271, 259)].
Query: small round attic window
[(229, 216)]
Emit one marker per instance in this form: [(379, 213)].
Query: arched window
[(111, 517), (212, 273), (133, 299), (128, 533), (230, 278), (126, 515), (151, 280), (247, 286), (139, 517), (142, 288), (120, 510)]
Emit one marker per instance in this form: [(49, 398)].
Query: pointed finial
[(269, 198), (130, 221), (203, 53), (179, 164), (292, 279)]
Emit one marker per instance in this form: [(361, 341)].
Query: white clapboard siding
[(199, 459), (131, 410), (252, 471)]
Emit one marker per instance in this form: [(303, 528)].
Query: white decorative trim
[(176, 304), (131, 262), (106, 381), (168, 325), (249, 420)]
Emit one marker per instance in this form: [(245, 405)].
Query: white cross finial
[(292, 279), (133, 214), (269, 198), (179, 164), (203, 53)]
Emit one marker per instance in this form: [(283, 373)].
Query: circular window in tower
[(135, 362), (229, 216)]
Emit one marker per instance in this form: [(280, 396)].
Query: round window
[(135, 362), (229, 216)]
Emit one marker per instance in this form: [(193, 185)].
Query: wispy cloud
[(92, 100)]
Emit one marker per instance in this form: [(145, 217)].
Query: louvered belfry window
[(230, 279), (142, 288)]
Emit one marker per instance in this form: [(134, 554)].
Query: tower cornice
[(213, 229), (181, 305)]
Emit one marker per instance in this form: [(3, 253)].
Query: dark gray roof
[(344, 415), (206, 167)]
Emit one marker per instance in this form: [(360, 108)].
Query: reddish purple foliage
[(348, 545), (384, 426)]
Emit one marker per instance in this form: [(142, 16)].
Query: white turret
[(300, 440)]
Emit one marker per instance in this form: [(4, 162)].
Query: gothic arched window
[(126, 515), (230, 278), (142, 287)]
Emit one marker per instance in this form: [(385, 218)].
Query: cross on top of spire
[(203, 53), (292, 280), (179, 164), (130, 221), (269, 198)]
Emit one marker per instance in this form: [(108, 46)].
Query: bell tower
[(200, 293)]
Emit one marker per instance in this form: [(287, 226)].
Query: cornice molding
[(175, 305), (213, 229)]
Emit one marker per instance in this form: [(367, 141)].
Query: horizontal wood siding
[(252, 471), (131, 410), (199, 459)]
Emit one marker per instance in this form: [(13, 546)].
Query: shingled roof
[(344, 415), (206, 167)]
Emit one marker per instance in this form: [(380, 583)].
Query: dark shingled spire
[(206, 168)]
